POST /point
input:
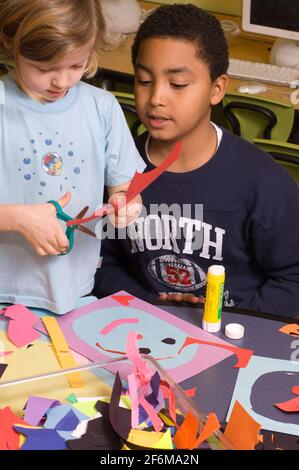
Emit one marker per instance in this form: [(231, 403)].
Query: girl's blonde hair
[(46, 30)]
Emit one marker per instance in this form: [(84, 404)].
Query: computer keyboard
[(266, 73)]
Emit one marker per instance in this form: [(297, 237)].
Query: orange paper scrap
[(186, 434), (212, 425), (242, 430), (291, 329)]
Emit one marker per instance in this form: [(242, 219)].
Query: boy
[(249, 219)]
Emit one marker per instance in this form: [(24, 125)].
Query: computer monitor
[(278, 18)]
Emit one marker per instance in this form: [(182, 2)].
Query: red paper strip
[(139, 182)]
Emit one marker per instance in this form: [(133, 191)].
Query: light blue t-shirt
[(77, 144)]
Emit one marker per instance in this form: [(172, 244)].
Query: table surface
[(215, 385)]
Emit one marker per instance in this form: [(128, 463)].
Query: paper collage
[(99, 331)]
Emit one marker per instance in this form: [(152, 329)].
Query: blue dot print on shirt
[(48, 142)]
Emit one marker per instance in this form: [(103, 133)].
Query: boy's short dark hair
[(189, 23)]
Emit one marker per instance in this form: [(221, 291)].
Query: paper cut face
[(109, 334), (100, 329), (264, 382), (280, 384)]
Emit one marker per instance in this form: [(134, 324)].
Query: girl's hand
[(39, 225), (123, 214), (179, 297)]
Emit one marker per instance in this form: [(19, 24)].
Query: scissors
[(139, 182), (61, 215)]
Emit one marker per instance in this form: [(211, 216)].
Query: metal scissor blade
[(82, 213), (86, 230)]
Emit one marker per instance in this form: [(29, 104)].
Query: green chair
[(127, 103), (287, 155), (253, 117)]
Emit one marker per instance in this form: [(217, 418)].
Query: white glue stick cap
[(234, 331), (216, 270), (211, 327)]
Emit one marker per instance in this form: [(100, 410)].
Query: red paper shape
[(290, 406), (123, 299), (242, 354), (139, 182), (9, 438)]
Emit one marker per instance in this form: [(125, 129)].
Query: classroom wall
[(230, 7)]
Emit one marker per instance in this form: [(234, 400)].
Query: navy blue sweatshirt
[(240, 209)]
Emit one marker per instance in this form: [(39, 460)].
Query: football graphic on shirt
[(177, 273)]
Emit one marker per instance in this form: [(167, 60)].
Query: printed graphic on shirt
[(183, 237), (180, 237), (42, 158), (227, 302), (52, 164), (177, 273)]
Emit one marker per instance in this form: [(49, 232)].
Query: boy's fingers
[(163, 296)]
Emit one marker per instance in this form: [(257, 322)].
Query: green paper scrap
[(72, 398)]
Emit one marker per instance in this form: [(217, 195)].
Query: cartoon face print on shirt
[(43, 158)]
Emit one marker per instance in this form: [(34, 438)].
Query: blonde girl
[(60, 138)]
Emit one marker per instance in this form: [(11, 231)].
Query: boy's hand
[(123, 214), (39, 225), (179, 297)]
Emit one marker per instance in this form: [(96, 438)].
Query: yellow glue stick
[(211, 321)]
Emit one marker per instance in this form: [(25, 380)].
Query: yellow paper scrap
[(142, 438), (65, 357), (165, 442), (87, 407)]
